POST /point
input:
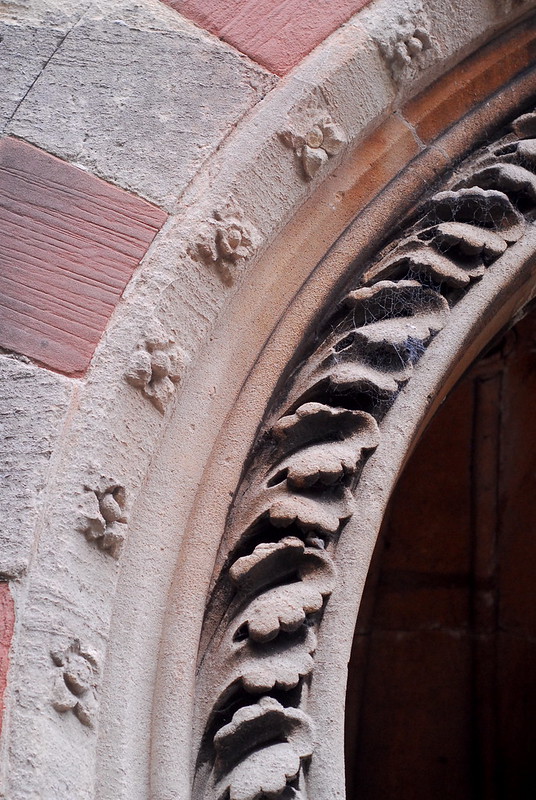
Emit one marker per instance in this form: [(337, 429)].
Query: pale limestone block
[(24, 50), (140, 97), (30, 33), (33, 405)]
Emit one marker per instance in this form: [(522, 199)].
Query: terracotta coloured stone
[(7, 622), (275, 33), (470, 83), (69, 242)]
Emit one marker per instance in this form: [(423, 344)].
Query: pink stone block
[(275, 33), (69, 243)]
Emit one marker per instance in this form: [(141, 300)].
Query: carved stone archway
[(342, 422), (273, 653), (300, 368)]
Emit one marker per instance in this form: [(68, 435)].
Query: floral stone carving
[(75, 682), (409, 46), (226, 240), (298, 492), (322, 139), (156, 367), (103, 517)]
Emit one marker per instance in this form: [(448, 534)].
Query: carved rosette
[(319, 139), (156, 366), (75, 682), (298, 490), (408, 46), (102, 514), (226, 240)]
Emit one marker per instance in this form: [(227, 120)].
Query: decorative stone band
[(300, 481)]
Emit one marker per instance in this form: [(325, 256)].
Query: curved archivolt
[(298, 492)]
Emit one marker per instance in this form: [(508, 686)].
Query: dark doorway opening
[(441, 697)]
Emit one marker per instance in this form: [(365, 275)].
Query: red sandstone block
[(275, 33), (69, 243), (7, 623)]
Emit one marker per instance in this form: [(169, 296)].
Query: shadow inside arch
[(441, 689)]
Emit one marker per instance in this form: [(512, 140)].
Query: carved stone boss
[(320, 139), (226, 240), (156, 366), (75, 682), (408, 47), (102, 514), (256, 737)]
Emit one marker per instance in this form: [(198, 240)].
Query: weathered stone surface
[(24, 52), (415, 36), (7, 624), (140, 97), (470, 83), (33, 404), (30, 33)]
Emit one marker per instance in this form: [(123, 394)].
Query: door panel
[(442, 681)]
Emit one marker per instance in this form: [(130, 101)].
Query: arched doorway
[(441, 692)]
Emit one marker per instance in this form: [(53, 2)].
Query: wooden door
[(442, 680)]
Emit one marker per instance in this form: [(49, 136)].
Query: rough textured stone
[(30, 33), (140, 97), (276, 34), (23, 58), (69, 245), (7, 624), (33, 405), (413, 36)]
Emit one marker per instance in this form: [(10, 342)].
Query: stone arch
[(286, 501), (133, 619)]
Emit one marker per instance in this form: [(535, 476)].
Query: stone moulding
[(299, 488)]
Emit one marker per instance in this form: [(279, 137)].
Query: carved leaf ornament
[(298, 491)]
